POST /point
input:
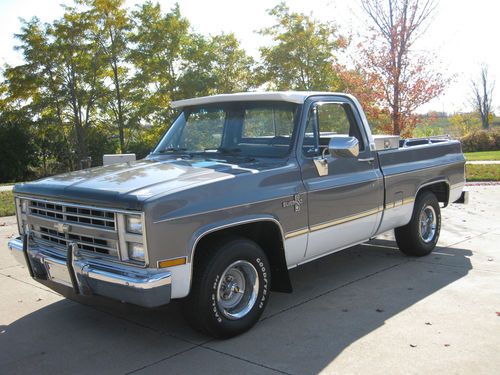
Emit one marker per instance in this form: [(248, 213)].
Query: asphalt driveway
[(368, 309)]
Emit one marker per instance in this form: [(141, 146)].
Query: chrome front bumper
[(143, 287)]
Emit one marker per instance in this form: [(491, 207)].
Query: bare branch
[(482, 96)]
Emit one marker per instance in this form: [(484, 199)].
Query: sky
[(462, 34)]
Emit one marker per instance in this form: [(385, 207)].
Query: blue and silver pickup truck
[(241, 188)]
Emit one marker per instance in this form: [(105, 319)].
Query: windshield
[(251, 129)]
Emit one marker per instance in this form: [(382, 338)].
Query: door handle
[(368, 160)]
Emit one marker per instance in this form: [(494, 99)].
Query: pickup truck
[(240, 189)]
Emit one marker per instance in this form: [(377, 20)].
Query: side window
[(267, 122), (325, 121)]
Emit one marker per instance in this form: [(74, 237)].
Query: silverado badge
[(295, 202)]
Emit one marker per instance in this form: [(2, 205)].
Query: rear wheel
[(230, 288), (420, 236)]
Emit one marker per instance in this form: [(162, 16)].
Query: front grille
[(92, 217), (85, 243), (85, 227)]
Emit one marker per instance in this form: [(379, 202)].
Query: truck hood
[(128, 185)]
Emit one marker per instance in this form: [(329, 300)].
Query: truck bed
[(410, 168)]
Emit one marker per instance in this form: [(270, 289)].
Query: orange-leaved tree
[(405, 78)]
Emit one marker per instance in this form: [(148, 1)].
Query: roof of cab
[(285, 96)]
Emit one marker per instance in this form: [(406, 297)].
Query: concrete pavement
[(368, 309), (483, 162)]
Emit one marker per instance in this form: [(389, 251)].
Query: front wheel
[(420, 236), (230, 288)]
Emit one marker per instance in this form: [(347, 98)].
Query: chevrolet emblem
[(62, 228)]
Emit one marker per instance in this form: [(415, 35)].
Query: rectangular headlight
[(133, 224), (24, 206), (135, 251)]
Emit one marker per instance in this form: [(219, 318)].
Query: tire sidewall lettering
[(261, 299)]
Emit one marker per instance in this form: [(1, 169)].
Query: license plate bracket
[(58, 272)]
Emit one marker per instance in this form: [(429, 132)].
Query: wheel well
[(268, 236), (440, 189)]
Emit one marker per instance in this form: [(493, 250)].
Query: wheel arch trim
[(435, 182), (204, 231)]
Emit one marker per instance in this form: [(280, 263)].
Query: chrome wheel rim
[(237, 289), (428, 224)]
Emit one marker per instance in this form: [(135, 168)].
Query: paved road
[(368, 309)]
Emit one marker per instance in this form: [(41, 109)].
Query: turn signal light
[(172, 262)]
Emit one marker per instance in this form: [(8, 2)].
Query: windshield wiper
[(229, 151), (171, 150)]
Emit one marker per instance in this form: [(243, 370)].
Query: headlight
[(135, 251), (134, 224), (24, 206)]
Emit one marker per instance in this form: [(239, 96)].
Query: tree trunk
[(120, 109), (81, 138)]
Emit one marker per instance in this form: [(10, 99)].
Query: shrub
[(481, 140), (16, 152)]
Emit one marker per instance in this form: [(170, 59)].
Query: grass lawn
[(482, 155), (482, 172), (6, 203)]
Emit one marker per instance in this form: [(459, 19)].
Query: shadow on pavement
[(336, 301)]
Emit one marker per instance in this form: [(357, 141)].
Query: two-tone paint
[(186, 199)]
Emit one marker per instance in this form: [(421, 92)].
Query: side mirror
[(343, 146)]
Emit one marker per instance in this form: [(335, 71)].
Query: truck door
[(345, 194)]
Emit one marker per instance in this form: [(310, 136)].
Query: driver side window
[(326, 120)]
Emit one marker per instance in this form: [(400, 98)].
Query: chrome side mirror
[(343, 146)]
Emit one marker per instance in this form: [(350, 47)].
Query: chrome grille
[(85, 243), (92, 217), (84, 225)]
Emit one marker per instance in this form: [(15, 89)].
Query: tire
[(220, 303), (420, 236)]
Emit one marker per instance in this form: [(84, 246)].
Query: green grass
[(482, 155), (6, 203), (482, 172)]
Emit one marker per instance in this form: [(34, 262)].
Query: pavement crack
[(333, 290), (163, 359), (244, 360), (468, 239), (6, 268), (453, 266), (141, 325), (32, 285)]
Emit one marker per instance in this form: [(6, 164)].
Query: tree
[(482, 96), (111, 33), (406, 77), (215, 65), (367, 88), (35, 93), (158, 44), (80, 61), (463, 124), (303, 53)]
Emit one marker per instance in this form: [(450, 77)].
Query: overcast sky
[(463, 34)]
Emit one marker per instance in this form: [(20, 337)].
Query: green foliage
[(7, 207), (463, 124), (100, 80), (482, 172), (17, 152), (302, 56), (481, 140)]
